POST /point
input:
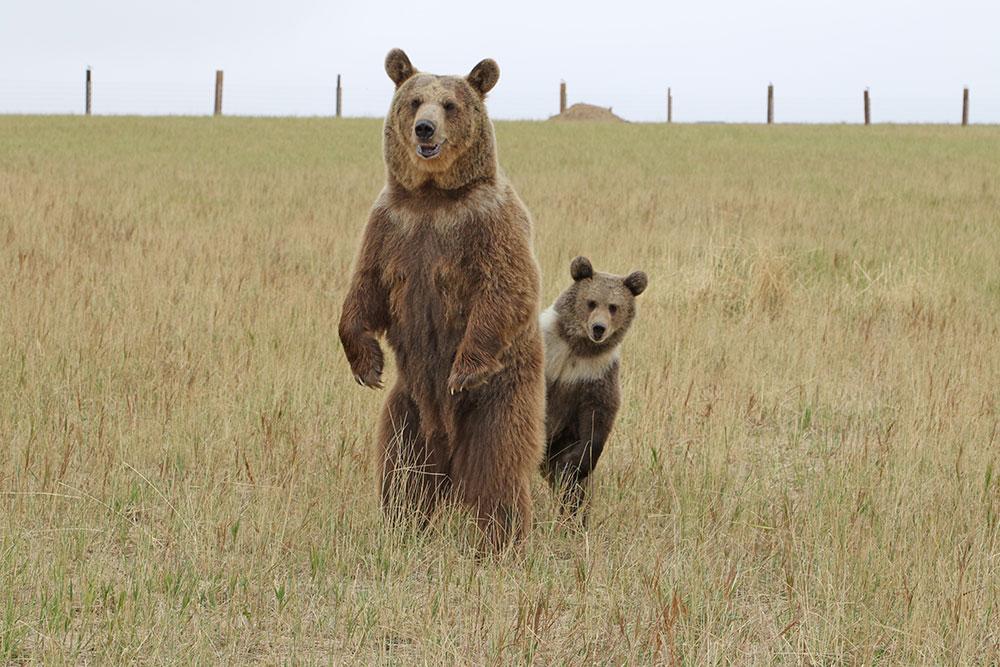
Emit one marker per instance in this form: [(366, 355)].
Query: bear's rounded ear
[(484, 76), (636, 282), (398, 67), (580, 268)]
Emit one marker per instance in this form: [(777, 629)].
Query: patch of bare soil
[(581, 111)]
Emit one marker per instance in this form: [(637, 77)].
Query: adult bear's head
[(437, 131)]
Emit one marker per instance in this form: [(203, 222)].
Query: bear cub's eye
[(591, 304), (449, 106), (415, 104), (613, 309)]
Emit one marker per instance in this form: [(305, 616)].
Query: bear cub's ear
[(580, 268), (636, 282), (398, 67), (484, 76)]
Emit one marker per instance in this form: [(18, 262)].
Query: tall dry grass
[(805, 469)]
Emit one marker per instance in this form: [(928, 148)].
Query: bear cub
[(582, 332)]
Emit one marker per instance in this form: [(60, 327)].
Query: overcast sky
[(282, 58)]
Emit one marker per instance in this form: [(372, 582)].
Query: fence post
[(218, 92), (88, 106), (340, 97), (965, 107), (868, 108), (670, 106), (770, 103), (562, 96)]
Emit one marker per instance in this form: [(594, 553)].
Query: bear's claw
[(372, 379), (459, 382)]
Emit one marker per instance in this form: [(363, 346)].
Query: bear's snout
[(424, 129), (598, 331)]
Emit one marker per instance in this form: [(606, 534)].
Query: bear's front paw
[(367, 364), (372, 379), (466, 375)]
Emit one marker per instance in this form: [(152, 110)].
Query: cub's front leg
[(573, 454), (365, 314)]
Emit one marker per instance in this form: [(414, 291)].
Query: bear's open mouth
[(427, 151)]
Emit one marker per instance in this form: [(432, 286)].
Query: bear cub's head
[(597, 309), (437, 130)]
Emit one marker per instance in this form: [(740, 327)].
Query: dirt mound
[(590, 112)]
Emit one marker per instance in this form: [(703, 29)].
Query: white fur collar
[(561, 365)]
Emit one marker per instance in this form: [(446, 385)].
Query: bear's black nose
[(599, 330), (424, 129)]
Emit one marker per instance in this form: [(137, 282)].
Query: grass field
[(805, 469)]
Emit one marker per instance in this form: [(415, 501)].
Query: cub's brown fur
[(447, 274), (583, 330)]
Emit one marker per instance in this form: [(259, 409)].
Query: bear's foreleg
[(365, 314), (502, 311)]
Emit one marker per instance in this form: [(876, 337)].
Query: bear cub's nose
[(424, 129), (599, 330)]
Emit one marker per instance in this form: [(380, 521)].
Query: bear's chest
[(427, 269)]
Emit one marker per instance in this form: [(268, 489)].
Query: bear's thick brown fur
[(583, 332), (447, 274)]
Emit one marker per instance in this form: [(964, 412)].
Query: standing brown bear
[(447, 274)]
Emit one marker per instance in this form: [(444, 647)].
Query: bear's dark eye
[(449, 106), (613, 309), (591, 304), (415, 104)]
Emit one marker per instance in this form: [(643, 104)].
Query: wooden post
[(868, 108), (770, 103), (340, 97), (218, 92), (965, 107), (88, 106), (670, 106), (562, 96)]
